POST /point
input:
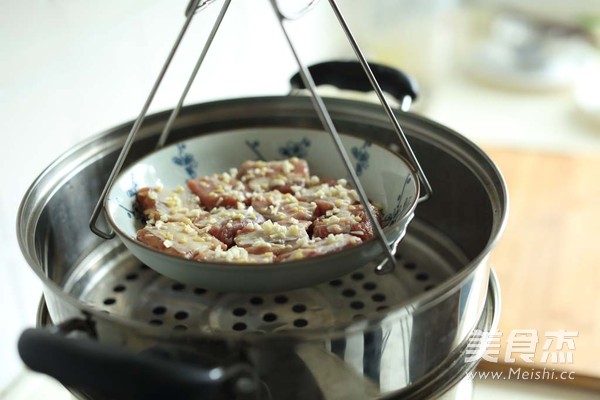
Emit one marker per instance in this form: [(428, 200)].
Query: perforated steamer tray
[(132, 290)]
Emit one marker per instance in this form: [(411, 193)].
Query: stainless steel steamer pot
[(449, 382), (359, 336)]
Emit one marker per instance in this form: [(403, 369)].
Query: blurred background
[(520, 79)]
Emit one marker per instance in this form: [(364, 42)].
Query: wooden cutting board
[(548, 260)]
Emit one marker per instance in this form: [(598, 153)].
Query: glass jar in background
[(537, 45), (415, 36)]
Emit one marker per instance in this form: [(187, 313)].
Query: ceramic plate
[(386, 177)]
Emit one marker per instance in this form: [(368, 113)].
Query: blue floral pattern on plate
[(362, 157), (254, 145), (134, 211), (392, 217), (132, 191), (295, 149), (186, 160)]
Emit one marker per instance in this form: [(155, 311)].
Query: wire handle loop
[(196, 5), (193, 5)]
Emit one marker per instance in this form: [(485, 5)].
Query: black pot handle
[(349, 75), (112, 372)]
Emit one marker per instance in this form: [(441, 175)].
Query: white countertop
[(29, 386), (73, 69)]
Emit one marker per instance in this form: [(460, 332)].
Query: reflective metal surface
[(448, 382), (372, 352), (112, 280)]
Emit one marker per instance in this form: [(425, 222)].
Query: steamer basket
[(358, 336)]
